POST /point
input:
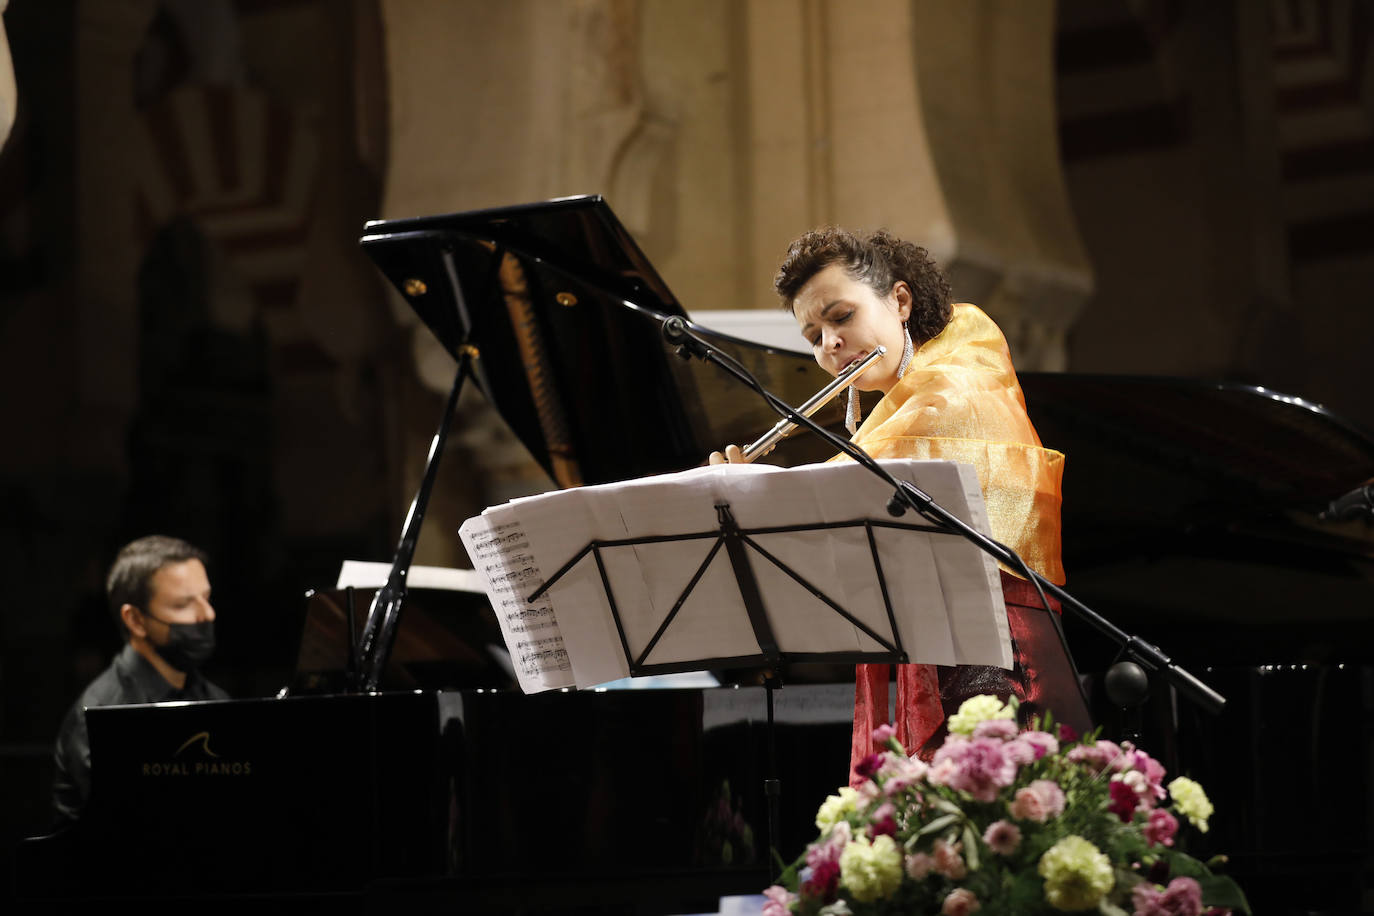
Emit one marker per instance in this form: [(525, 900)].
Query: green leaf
[(970, 848), (939, 823), (943, 804), (1186, 866), (1026, 893), (1222, 891), (787, 876)]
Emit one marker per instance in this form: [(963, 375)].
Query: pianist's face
[(845, 319), (179, 593)]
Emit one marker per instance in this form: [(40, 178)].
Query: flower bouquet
[(1005, 820)]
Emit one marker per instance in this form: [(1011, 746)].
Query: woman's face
[(844, 320)]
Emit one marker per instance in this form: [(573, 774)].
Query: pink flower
[(1160, 828), (1097, 757), (1183, 897), (995, 728), (883, 734), (979, 767), (1066, 733), (1145, 775), (1042, 742), (960, 902), (1039, 801), (918, 865), (1020, 752), (824, 881), (1002, 837), (829, 851), (824, 861), (900, 773), (1027, 806), (884, 821), (868, 766), (778, 899), (1123, 800), (948, 861)]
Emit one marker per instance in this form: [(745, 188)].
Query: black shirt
[(129, 679)]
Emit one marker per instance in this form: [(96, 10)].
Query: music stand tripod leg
[(768, 644), (772, 786)]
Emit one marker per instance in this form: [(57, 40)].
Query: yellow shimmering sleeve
[(960, 401)]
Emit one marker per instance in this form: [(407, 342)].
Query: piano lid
[(1190, 516), (1274, 449), (565, 312), (1152, 454)]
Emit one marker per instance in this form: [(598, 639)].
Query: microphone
[(1358, 502)]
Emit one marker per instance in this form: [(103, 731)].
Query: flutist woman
[(947, 390)]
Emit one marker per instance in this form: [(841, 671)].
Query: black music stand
[(738, 542)]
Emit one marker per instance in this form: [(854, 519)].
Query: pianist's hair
[(878, 259), (131, 574)]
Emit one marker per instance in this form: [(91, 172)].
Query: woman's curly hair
[(879, 259)]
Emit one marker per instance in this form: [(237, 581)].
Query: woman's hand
[(732, 455)]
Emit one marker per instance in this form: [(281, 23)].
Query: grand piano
[(414, 774)]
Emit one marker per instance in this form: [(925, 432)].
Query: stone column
[(935, 120), (9, 93)]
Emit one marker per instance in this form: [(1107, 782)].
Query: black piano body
[(631, 800), (218, 795)]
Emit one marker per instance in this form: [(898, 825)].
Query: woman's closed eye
[(834, 320)]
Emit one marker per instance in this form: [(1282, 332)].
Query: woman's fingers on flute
[(732, 455)]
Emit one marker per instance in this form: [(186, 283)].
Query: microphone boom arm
[(908, 495)]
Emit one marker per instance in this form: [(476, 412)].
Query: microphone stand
[(908, 496)]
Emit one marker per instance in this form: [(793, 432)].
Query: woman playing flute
[(948, 391)]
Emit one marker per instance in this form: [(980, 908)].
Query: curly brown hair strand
[(879, 260)]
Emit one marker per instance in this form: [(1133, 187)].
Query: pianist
[(159, 592), (948, 391)]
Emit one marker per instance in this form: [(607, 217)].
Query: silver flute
[(784, 427)]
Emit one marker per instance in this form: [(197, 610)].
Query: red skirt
[(1041, 679)]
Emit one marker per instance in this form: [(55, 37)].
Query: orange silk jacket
[(959, 400)]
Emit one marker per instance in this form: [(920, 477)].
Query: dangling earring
[(908, 351), (851, 412)]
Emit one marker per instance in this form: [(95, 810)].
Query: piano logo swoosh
[(203, 738)]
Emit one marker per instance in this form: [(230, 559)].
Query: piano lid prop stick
[(765, 443)]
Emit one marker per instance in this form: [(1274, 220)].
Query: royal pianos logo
[(195, 758)]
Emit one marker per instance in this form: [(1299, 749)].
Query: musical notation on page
[(500, 554)]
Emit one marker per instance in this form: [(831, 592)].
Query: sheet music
[(501, 556), (368, 574), (945, 592)]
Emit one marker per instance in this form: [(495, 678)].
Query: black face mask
[(189, 645)]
